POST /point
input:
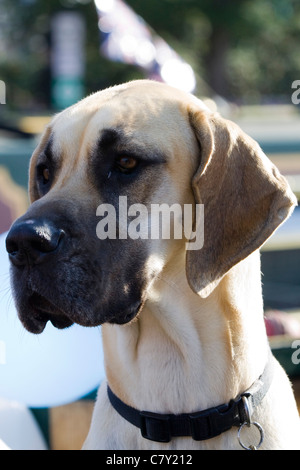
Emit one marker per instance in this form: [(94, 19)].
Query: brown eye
[(46, 175), (126, 164), (43, 174)]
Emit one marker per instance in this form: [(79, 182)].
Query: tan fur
[(199, 339)]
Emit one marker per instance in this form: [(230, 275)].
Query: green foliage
[(245, 50)]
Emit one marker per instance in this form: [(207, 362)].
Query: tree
[(244, 50)]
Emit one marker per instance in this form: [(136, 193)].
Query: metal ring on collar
[(261, 431)]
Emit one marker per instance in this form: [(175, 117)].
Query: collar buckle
[(155, 427), (212, 422)]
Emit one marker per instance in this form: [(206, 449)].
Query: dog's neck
[(185, 353)]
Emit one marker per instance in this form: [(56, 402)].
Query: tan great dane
[(186, 353)]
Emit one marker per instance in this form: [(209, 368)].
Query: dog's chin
[(37, 322), (40, 310)]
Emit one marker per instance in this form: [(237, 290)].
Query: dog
[(188, 363)]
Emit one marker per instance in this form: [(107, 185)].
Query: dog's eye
[(126, 164), (44, 174)]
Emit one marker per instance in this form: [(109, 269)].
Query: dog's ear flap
[(245, 199)]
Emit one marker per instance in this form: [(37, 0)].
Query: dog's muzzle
[(61, 272), (29, 243)]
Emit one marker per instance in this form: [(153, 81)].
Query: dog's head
[(88, 248)]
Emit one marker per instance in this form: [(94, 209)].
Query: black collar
[(201, 425)]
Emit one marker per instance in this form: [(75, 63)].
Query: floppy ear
[(245, 199)]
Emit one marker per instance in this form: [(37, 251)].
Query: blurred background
[(246, 51), (241, 57)]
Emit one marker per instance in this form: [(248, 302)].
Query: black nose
[(32, 241)]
